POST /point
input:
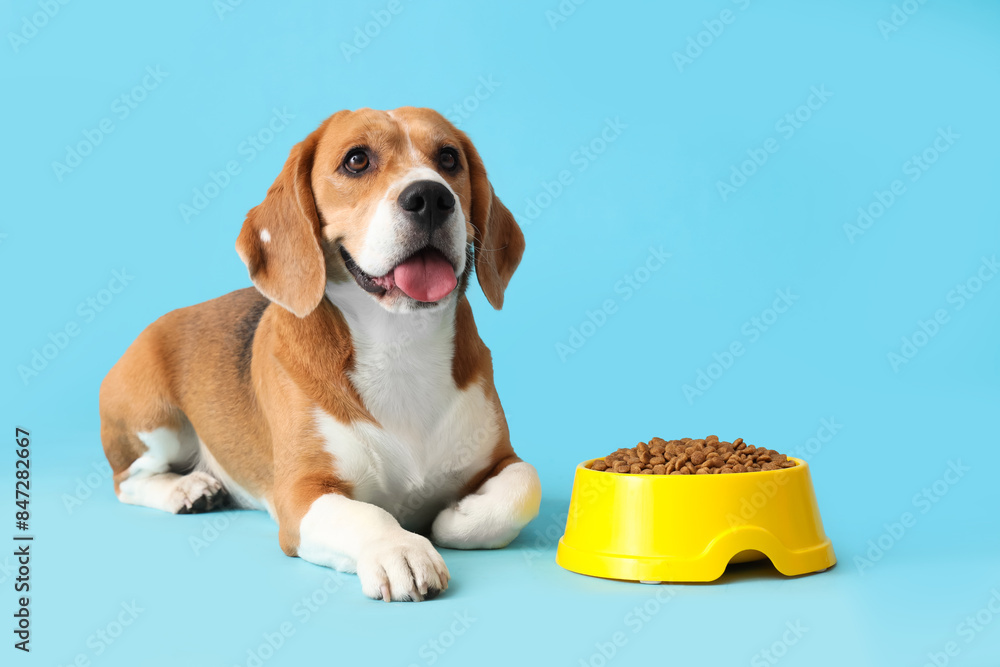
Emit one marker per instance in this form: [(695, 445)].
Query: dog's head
[(396, 201)]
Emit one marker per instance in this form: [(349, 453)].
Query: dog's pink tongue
[(427, 276)]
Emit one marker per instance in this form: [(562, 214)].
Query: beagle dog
[(348, 393)]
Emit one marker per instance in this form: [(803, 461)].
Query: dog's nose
[(428, 203)]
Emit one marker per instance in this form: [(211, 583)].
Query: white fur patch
[(431, 437), (150, 481), (265, 235), (352, 536), (493, 516)]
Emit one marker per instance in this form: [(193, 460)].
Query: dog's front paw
[(402, 566), (493, 516)]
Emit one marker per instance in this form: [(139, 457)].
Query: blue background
[(556, 85)]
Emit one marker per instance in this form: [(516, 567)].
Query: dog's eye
[(448, 159), (356, 161)]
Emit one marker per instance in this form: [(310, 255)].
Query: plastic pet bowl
[(688, 528)]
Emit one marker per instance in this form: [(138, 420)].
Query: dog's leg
[(319, 521), (178, 494), (493, 515), (148, 481), (353, 536)]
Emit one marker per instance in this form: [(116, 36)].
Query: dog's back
[(175, 384)]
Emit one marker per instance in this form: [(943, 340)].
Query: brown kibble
[(692, 456)]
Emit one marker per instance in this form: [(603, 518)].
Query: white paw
[(195, 492), (493, 516), (401, 566)]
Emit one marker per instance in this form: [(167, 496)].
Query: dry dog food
[(709, 456)]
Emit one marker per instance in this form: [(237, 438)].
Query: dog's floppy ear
[(498, 243), (280, 239)]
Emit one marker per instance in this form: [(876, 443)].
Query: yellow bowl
[(681, 528)]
